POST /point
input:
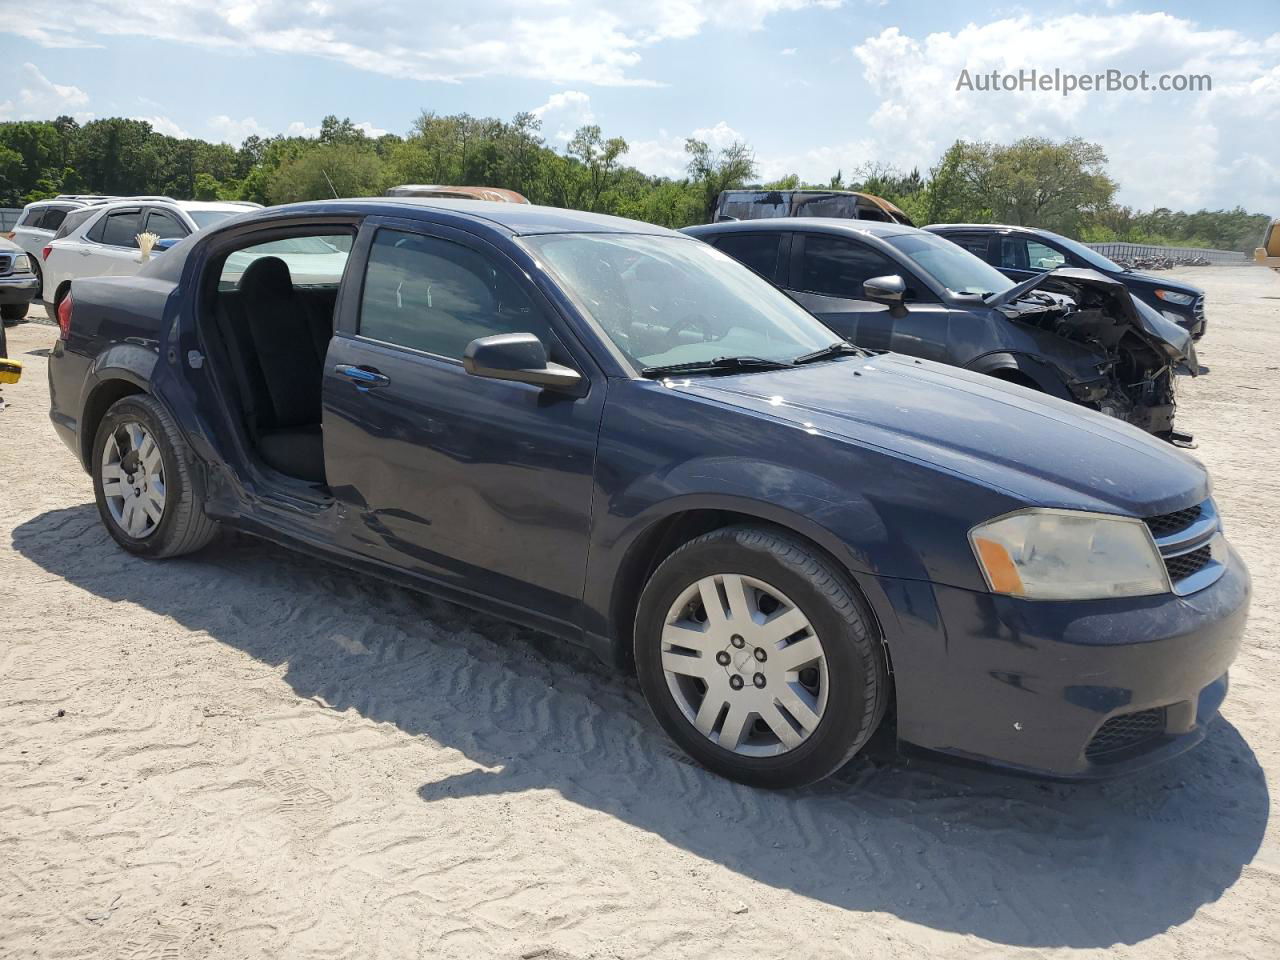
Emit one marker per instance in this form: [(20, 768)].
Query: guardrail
[(1132, 251)]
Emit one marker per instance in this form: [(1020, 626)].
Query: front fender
[(1045, 375)]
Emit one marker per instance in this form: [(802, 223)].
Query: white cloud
[(566, 111), (228, 130), (166, 126), (561, 41), (39, 98), (787, 52), (1166, 149), (664, 156)]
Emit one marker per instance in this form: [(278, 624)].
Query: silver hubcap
[(133, 480), (745, 665)]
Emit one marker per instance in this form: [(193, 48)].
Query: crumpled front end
[(1138, 352)]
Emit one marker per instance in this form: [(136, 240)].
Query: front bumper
[(21, 289), (1030, 685)]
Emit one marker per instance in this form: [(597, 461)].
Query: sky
[(814, 86)]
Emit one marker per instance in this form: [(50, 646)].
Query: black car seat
[(286, 385)]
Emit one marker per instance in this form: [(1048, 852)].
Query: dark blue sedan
[(1021, 253), (620, 435)]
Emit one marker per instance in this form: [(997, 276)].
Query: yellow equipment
[(1268, 255), (10, 371)]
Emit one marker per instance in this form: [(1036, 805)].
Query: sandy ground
[(249, 753)]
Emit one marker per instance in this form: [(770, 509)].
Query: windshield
[(207, 218), (665, 300), (951, 265), (1089, 255)]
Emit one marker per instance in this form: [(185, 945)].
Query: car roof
[(834, 225), (988, 228), (516, 219)]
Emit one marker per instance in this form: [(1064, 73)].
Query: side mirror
[(517, 356), (166, 243), (890, 289)]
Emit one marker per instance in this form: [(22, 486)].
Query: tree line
[(1062, 186)]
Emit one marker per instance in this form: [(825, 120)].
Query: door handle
[(85, 253), (364, 378)]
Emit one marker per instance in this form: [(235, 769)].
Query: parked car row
[(73, 236), (632, 438), (1068, 332)]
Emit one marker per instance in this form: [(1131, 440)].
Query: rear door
[(110, 248), (827, 277), (482, 485)]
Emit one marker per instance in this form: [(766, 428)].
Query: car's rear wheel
[(758, 657), (144, 483)]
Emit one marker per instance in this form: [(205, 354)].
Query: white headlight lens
[(1173, 296), (22, 263), (1068, 555)]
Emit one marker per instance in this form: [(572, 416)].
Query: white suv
[(102, 241), (40, 221)]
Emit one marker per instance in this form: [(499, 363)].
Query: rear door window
[(836, 267), (978, 244), (120, 229), (1042, 257), (1013, 254), (52, 218), (437, 296), (165, 225), (759, 251)]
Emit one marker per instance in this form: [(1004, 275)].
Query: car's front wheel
[(143, 481), (13, 313), (758, 657)]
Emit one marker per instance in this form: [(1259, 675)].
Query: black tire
[(12, 313), (51, 306), (4, 344), (184, 527), (39, 275), (856, 668)]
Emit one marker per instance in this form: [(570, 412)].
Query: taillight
[(64, 317), (44, 254)]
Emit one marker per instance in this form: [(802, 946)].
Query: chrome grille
[(1185, 564), (1168, 523), (1191, 545), (1198, 308), (6, 263)]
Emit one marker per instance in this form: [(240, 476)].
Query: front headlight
[(22, 263), (1043, 554), (1173, 296)]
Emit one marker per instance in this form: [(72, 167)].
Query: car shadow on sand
[(1010, 860)]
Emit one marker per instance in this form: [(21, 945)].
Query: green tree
[(716, 170), (340, 169)]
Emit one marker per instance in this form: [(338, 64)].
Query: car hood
[(1173, 340), (1162, 283), (1041, 450)]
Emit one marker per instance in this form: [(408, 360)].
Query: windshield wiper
[(719, 363), (837, 349)]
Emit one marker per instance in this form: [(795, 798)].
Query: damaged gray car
[(1071, 333)]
